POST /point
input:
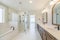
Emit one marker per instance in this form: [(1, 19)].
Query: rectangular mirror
[(44, 15)]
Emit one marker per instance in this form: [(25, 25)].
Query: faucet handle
[(12, 27)]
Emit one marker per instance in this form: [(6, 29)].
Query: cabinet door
[(40, 32), (44, 35), (50, 37), (38, 27)]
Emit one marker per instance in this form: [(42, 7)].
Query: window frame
[(3, 14)]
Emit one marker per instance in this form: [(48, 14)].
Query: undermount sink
[(55, 28), (50, 28)]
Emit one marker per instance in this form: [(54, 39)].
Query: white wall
[(49, 17)]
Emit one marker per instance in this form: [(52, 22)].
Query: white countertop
[(51, 30)]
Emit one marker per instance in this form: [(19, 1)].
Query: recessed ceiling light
[(30, 1)]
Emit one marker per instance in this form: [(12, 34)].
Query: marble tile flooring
[(29, 34)]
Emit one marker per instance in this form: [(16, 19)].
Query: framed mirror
[(44, 17), (56, 14)]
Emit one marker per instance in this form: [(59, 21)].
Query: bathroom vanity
[(47, 33), (44, 34)]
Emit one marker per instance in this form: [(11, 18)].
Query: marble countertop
[(51, 30)]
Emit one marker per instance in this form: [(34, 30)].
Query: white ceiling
[(25, 5)]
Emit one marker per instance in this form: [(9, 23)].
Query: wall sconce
[(45, 10)]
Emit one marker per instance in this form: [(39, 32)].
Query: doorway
[(32, 22), (29, 22)]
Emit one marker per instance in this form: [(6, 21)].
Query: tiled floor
[(31, 34)]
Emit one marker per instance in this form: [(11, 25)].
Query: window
[(1, 15)]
